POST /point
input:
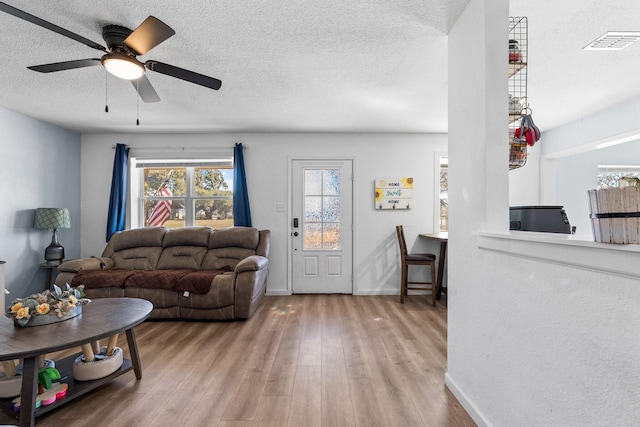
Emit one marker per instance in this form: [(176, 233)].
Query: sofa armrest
[(250, 285), (93, 263), (251, 263)]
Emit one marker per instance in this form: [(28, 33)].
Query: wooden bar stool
[(415, 259)]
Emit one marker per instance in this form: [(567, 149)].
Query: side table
[(49, 267)]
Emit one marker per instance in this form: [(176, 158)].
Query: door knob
[(295, 234)]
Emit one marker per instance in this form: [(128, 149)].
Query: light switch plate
[(280, 207)]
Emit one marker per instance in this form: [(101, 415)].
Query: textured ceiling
[(566, 83), (285, 66), (299, 66)]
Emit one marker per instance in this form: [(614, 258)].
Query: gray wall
[(39, 167)]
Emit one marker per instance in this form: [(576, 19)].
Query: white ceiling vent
[(613, 40)]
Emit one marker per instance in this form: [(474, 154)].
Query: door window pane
[(312, 208), (331, 182), (331, 236), (321, 209), (312, 182), (313, 236), (331, 209)]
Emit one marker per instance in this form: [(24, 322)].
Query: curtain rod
[(173, 148)]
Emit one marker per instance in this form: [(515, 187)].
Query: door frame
[(290, 160)]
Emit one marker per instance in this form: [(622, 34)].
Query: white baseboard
[(466, 403), (277, 293), (376, 292)]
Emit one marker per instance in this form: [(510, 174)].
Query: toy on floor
[(48, 391)]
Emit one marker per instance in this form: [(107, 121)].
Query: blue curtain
[(118, 198), (241, 210)]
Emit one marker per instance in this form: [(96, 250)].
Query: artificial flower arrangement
[(59, 303)]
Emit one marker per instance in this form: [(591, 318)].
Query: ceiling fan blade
[(49, 26), (181, 73), (66, 65), (148, 35), (145, 90)]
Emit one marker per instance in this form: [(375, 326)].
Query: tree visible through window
[(186, 196), (444, 194), (610, 175)]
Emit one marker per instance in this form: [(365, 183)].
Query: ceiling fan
[(119, 59)]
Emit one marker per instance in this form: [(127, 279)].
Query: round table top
[(101, 318)]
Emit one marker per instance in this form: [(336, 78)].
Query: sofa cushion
[(103, 278), (199, 282), (221, 294), (177, 257), (218, 258), (139, 237), (239, 237), (189, 236), (227, 246), (142, 258)]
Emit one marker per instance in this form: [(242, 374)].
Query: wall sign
[(393, 193)]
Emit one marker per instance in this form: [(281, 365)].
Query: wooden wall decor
[(393, 193)]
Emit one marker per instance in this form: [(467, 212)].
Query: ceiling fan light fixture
[(123, 66)]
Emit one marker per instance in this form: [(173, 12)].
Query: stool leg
[(403, 282), (434, 284)]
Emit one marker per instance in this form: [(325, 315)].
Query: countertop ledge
[(565, 249)]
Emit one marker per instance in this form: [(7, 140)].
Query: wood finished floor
[(314, 360)]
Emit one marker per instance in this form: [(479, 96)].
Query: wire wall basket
[(518, 101)]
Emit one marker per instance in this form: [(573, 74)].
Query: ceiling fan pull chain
[(137, 102), (106, 91)]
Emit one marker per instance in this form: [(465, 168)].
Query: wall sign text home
[(393, 193)]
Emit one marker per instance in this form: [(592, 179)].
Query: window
[(443, 194), (183, 193), (322, 209), (610, 175)]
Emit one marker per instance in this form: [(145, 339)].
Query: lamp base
[(54, 253)]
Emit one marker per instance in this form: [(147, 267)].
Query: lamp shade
[(52, 218)]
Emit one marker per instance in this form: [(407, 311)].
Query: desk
[(443, 238), (100, 318)]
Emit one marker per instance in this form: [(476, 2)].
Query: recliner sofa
[(195, 273)]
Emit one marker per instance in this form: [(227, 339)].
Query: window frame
[(136, 185), (439, 157)]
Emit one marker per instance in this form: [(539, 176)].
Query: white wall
[(39, 167), (578, 173), (266, 160), (530, 343)]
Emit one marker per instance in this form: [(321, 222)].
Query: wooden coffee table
[(100, 319)]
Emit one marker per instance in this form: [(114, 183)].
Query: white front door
[(321, 228)]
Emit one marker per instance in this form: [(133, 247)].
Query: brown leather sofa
[(195, 273)]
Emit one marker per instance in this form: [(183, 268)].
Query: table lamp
[(53, 218)]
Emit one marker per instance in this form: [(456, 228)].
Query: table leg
[(133, 352), (441, 260), (29, 394), (48, 287)]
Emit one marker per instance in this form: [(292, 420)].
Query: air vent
[(613, 40)]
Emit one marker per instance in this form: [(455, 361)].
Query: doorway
[(322, 226)]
